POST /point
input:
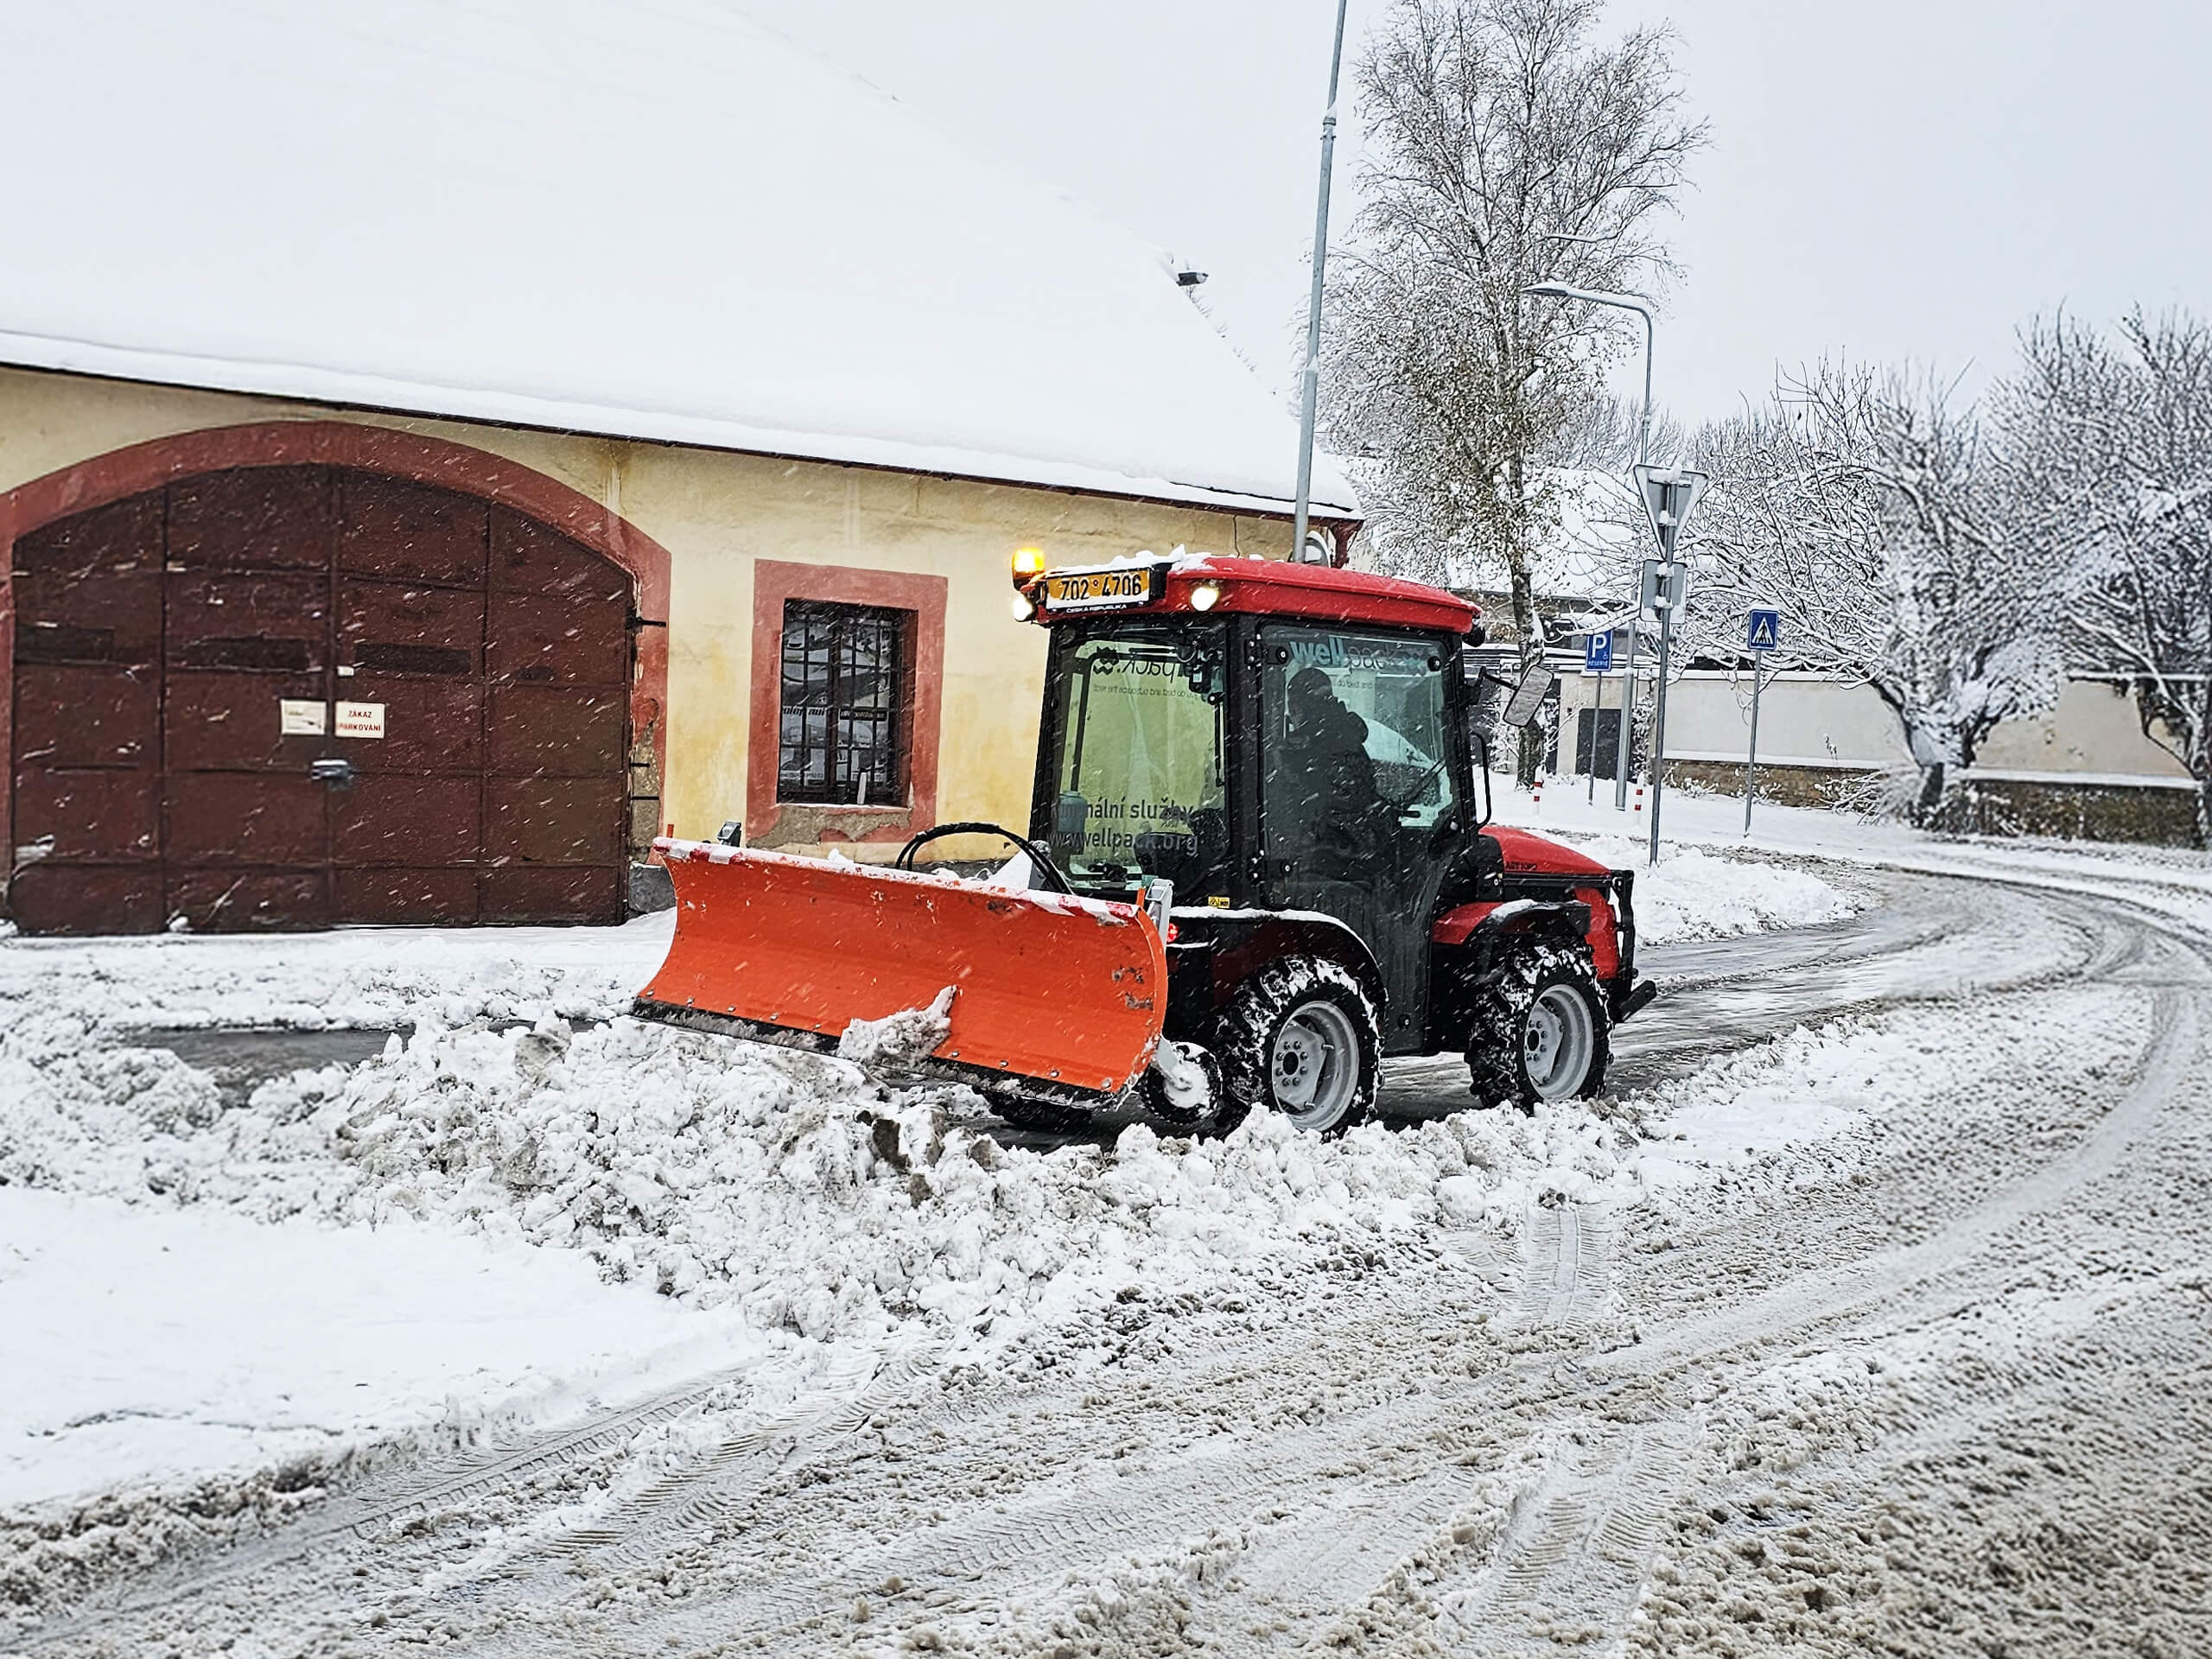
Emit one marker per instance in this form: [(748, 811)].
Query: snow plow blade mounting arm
[(1067, 994)]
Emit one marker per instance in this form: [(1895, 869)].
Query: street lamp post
[(1310, 392), (1559, 291)]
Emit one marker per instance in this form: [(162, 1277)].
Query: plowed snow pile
[(1694, 894), (785, 1182), (800, 1219), (215, 1311)]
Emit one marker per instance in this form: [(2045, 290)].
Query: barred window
[(842, 719)]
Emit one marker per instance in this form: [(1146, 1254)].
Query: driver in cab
[(1338, 803)]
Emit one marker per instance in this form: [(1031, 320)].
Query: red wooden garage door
[(284, 698)]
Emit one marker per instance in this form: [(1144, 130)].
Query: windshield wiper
[(1419, 789)]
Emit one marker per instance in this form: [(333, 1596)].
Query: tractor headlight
[(1022, 608), (1205, 596)]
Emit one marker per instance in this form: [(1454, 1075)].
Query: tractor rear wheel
[(1300, 1038), (1536, 1027)]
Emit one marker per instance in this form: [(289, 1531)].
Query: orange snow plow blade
[(1069, 993)]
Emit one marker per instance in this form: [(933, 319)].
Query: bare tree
[(1602, 436), (1504, 146), (1865, 508), (2112, 448)]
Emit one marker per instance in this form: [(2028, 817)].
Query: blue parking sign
[(1766, 631), (1598, 652)]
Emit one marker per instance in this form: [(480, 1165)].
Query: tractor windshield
[(1135, 752)]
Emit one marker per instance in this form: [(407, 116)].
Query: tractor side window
[(1354, 747), (1136, 714)]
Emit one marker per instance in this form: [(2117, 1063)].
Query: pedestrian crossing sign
[(1765, 632)]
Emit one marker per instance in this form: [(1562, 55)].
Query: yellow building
[(477, 471)]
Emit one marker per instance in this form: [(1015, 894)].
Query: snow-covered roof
[(651, 219)]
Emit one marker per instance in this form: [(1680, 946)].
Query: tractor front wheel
[(1300, 1038), (1536, 1028)]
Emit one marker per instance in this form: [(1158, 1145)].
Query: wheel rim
[(1314, 1070), (1557, 1043)]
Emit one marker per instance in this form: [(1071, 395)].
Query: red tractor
[(1259, 861)]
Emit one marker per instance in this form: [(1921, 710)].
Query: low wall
[(1789, 785), (2155, 814)]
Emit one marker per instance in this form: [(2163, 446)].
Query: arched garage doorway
[(292, 696)]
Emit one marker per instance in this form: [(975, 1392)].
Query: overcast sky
[(1888, 178)]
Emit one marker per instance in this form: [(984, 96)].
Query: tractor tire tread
[(1245, 1031), (1498, 1005)]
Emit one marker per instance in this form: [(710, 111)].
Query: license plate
[(1102, 591)]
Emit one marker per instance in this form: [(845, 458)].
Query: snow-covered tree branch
[(2113, 444), (1866, 508)]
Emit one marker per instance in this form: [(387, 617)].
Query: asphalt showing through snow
[(1937, 1386), (241, 1058)]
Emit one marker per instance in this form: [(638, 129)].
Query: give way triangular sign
[(1669, 494)]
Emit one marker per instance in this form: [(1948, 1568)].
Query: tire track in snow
[(710, 1491), (1934, 941), (1572, 1562), (987, 1555), (369, 1518), (1568, 1252), (1823, 1294), (1609, 1537)]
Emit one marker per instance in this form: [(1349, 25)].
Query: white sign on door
[(298, 717), (360, 719)]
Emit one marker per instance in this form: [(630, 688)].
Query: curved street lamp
[(1555, 289), (1310, 380)]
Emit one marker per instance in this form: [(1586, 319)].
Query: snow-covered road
[(1896, 1335)]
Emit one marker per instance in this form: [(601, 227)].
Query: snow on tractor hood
[(1532, 855)]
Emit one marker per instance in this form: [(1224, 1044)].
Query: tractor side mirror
[(1527, 697)]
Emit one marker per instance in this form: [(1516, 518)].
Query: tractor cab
[(1258, 860), (1266, 738)]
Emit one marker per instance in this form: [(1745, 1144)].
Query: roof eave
[(343, 390)]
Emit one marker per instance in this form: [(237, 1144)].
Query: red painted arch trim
[(142, 466)]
